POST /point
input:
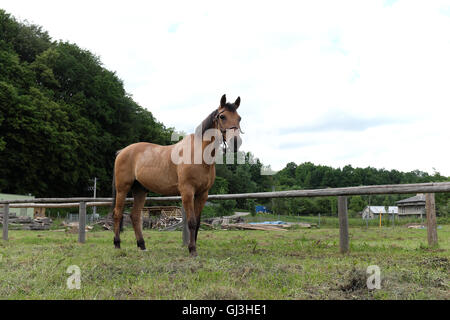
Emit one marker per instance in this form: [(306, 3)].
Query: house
[(29, 212), (414, 206), (371, 212)]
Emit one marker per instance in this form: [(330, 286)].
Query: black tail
[(113, 204)]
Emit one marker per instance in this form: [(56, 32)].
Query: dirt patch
[(436, 262), (353, 281)]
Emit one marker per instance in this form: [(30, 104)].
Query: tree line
[(310, 176), (63, 116)]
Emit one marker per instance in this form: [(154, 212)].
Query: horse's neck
[(204, 127)]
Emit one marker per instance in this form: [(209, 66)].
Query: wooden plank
[(431, 219), (343, 224), (5, 221), (82, 223)]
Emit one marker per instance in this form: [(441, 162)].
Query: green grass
[(297, 264)]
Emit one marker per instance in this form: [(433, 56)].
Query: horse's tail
[(113, 204)]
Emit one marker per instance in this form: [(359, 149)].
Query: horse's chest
[(200, 177)]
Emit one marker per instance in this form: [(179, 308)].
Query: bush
[(226, 207), (251, 204)]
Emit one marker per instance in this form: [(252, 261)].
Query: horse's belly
[(169, 190), (158, 180)]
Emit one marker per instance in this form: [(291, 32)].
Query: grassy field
[(296, 264)]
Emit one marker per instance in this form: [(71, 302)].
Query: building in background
[(29, 212), (414, 206), (371, 212)]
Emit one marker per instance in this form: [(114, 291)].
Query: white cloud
[(293, 64)]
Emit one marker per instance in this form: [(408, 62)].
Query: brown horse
[(184, 168)]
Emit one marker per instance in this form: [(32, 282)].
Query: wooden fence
[(342, 193)]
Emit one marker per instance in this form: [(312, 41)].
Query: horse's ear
[(223, 101), (237, 102)]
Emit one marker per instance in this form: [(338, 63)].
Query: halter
[(224, 131)]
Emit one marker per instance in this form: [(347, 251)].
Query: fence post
[(431, 219), (82, 223), (185, 227), (5, 220), (343, 224)]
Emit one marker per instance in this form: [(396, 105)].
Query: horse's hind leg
[(118, 215), (139, 194)]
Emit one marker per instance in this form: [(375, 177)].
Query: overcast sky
[(365, 83)]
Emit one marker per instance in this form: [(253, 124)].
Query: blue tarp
[(262, 209), (269, 222)]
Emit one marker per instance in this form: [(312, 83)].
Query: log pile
[(27, 223), (237, 223), (162, 223), (223, 220)]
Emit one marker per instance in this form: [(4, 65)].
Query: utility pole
[(95, 195), (94, 188)]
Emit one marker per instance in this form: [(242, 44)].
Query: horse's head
[(228, 122)]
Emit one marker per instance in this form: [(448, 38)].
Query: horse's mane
[(209, 121), (206, 124)]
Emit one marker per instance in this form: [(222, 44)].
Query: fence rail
[(429, 188), (432, 187)]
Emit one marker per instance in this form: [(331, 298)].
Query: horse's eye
[(222, 117)]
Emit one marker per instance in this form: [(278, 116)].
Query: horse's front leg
[(199, 203), (187, 198)]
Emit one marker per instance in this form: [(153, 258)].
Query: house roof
[(416, 198), (382, 209)]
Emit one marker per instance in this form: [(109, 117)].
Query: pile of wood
[(216, 221), (161, 223), (247, 226), (27, 223)]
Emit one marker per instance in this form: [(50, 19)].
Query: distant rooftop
[(417, 198), (382, 209)]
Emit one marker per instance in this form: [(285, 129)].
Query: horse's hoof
[(141, 245), (116, 243), (193, 254)]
